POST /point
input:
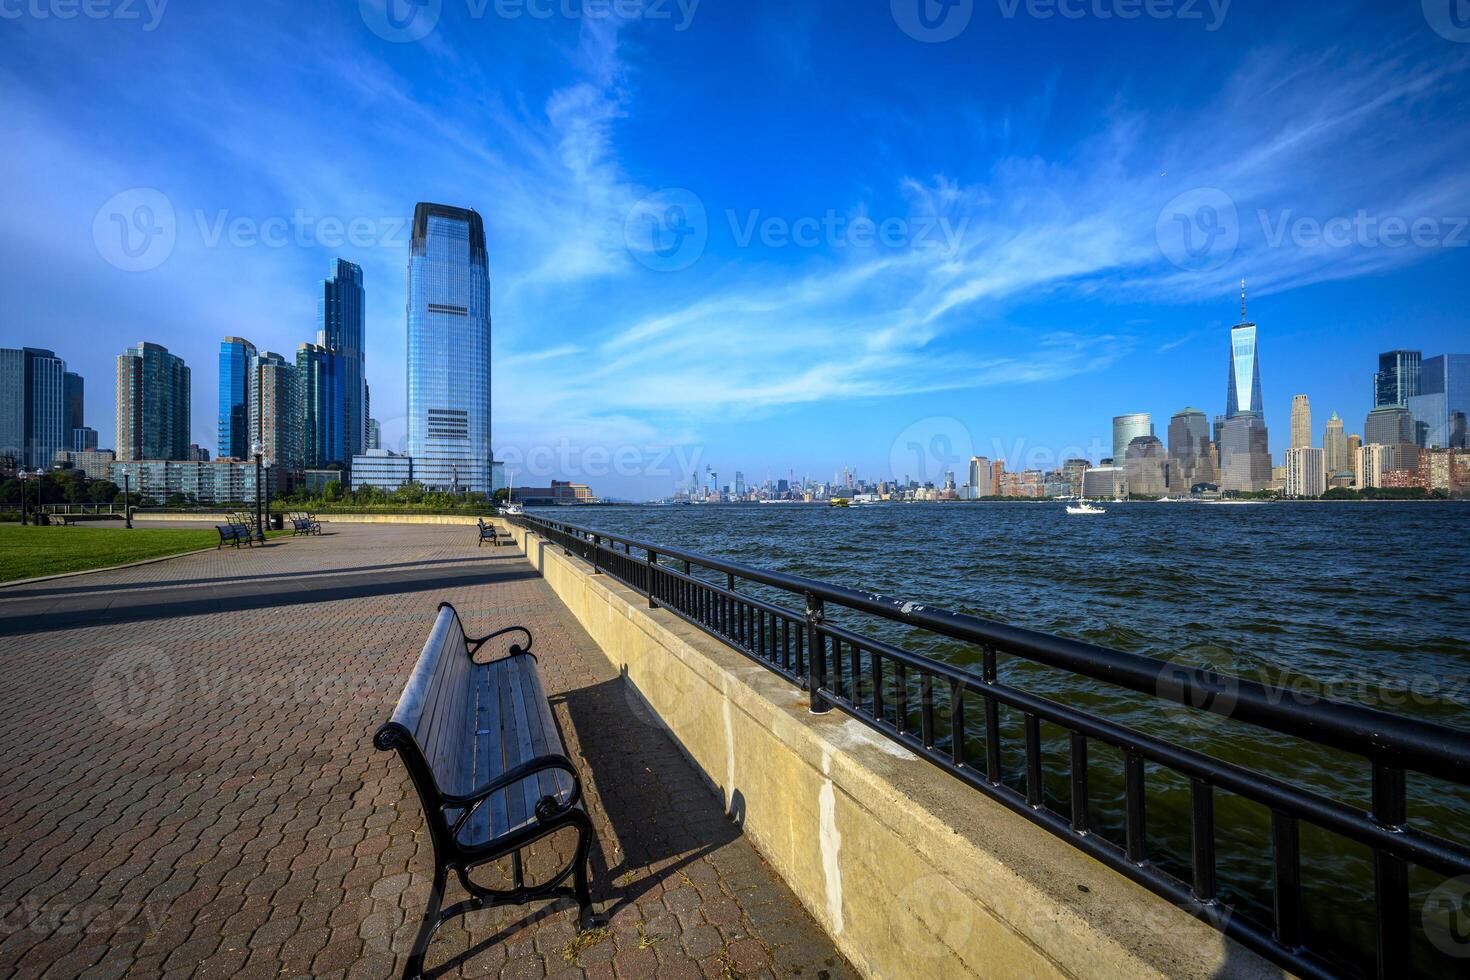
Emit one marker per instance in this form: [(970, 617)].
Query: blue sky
[(757, 236)]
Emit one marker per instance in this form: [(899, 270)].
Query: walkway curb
[(105, 568)]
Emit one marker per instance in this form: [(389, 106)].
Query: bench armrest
[(516, 650), (473, 801)]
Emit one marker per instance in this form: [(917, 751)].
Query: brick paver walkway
[(188, 786)]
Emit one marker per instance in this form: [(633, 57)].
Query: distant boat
[(1085, 508), (838, 502)]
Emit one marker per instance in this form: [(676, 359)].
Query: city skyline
[(1060, 293)]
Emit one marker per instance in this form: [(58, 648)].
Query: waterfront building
[(1301, 422), (980, 478), (1392, 426), (1306, 472), (1126, 428), (198, 453), (93, 463), (1245, 458), (1104, 483), (1190, 459), (374, 434), (83, 439), (449, 350), (1146, 464), (152, 404), (1447, 470), (218, 481), (559, 494), (1073, 471), (1442, 402), (1370, 464), (1355, 442), (1335, 444), (342, 428), (275, 417), (32, 406), (235, 357), (382, 469), (1243, 389), (1397, 379)]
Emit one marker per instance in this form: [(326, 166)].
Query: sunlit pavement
[(189, 786)]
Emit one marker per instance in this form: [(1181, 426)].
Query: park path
[(188, 785)]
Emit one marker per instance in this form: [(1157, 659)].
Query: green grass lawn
[(29, 552)]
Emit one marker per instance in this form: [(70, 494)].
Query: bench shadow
[(650, 803)]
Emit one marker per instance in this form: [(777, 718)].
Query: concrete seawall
[(911, 872)]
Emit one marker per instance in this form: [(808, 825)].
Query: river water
[(1363, 602)]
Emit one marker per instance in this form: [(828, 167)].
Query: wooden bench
[(481, 745), (233, 534)]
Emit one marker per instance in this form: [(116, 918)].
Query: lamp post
[(127, 500), (22, 474), (39, 473), (258, 450)]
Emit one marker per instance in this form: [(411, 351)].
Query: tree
[(103, 491)]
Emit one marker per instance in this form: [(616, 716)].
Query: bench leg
[(415, 966), (582, 875)]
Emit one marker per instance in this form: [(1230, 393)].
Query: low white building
[(381, 468)]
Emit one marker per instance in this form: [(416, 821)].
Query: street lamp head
[(256, 448)]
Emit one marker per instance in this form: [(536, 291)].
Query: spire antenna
[(1242, 299)]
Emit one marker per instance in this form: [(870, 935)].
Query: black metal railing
[(926, 705)]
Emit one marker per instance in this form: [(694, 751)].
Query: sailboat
[(1083, 507), (511, 508)]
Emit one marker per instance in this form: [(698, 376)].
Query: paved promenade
[(188, 785)]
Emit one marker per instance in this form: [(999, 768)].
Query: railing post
[(596, 547), (652, 564), (816, 657)]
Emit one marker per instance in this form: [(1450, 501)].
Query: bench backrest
[(431, 719)]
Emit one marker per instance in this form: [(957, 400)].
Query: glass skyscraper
[(1397, 379), (1243, 393), (1444, 391), (152, 404), (312, 370), (33, 409), (340, 331), (1126, 428), (235, 354), (449, 350)]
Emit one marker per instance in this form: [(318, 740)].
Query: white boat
[(1085, 508), (511, 508)]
